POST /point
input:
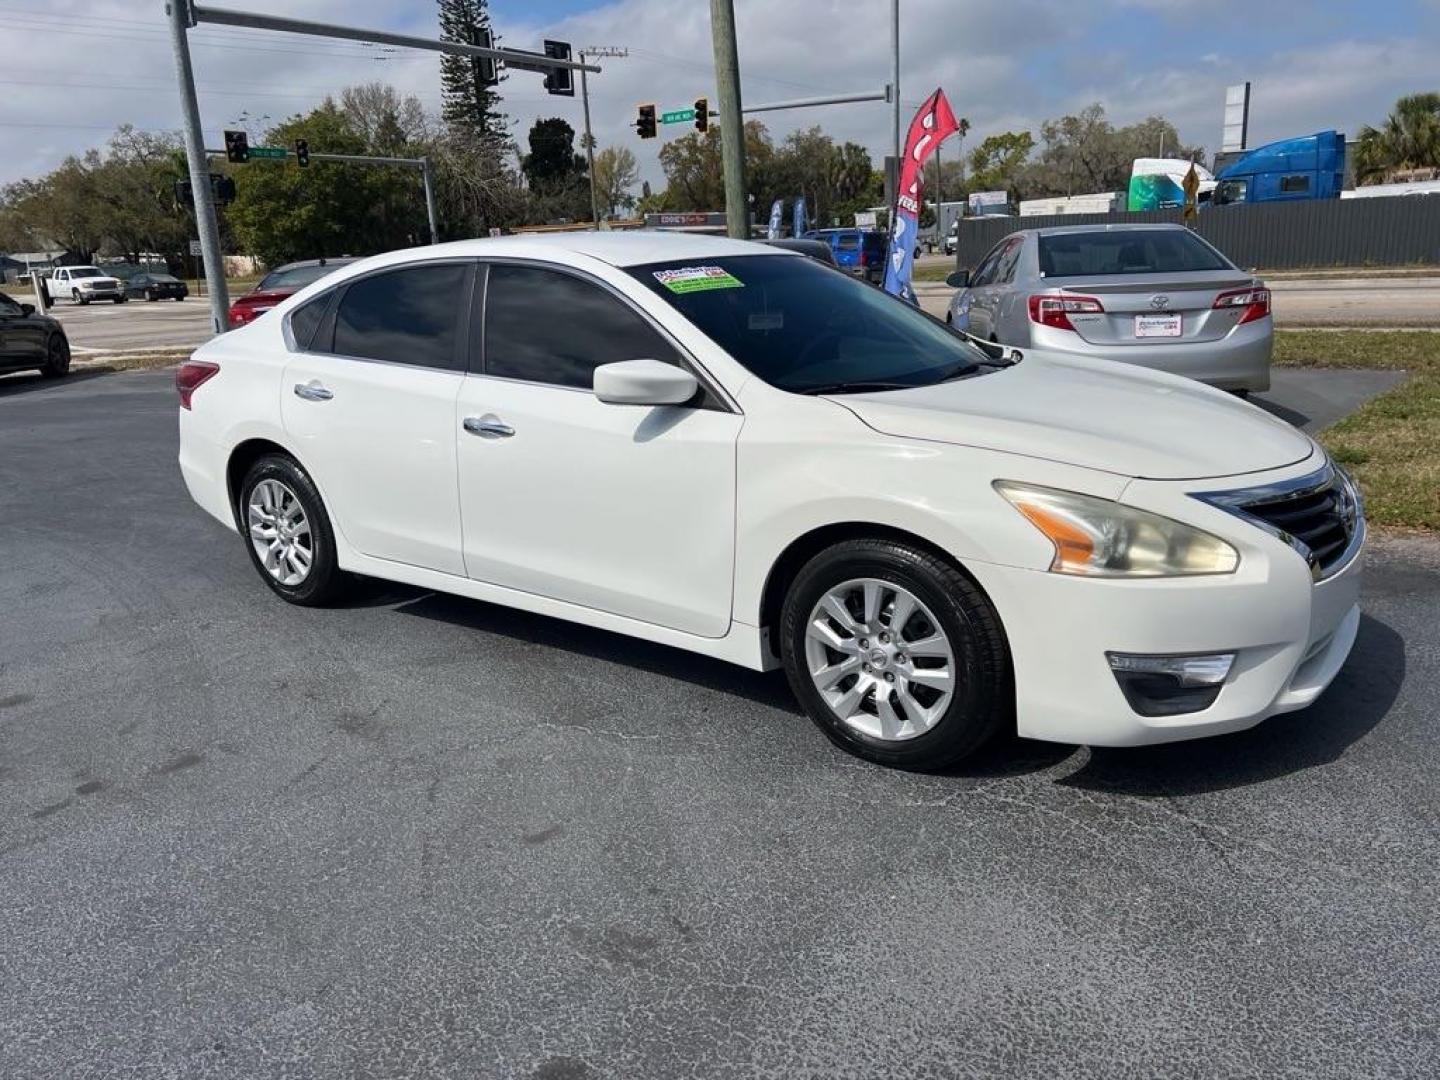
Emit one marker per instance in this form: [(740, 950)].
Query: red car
[(277, 285)]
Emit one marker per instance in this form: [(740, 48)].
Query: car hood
[(1097, 415)]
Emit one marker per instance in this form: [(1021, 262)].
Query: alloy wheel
[(280, 532), (879, 659)]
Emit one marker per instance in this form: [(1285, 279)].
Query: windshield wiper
[(854, 387)]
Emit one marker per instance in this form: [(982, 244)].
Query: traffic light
[(237, 147), (645, 125), (702, 115), (559, 80), (223, 189), (487, 69), (302, 152)]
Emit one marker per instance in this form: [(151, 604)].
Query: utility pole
[(427, 177), (593, 50), (589, 146), (732, 126), (209, 228), (895, 75)]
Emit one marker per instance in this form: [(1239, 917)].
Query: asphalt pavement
[(136, 324), (425, 836)]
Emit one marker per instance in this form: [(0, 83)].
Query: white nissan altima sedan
[(732, 449)]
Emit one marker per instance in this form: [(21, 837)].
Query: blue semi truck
[(1307, 167)]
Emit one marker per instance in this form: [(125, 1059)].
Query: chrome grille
[(1318, 515)]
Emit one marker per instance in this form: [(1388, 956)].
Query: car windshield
[(805, 328), (163, 279), (1126, 251), (84, 271), (295, 277)]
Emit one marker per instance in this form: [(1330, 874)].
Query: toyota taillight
[(190, 376), (1254, 303), (1052, 310)]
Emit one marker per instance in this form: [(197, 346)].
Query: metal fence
[(1270, 236)]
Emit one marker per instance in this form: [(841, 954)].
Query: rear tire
[(57, 357), (926, 710), (280, 510)]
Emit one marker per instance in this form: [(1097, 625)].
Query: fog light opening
[(1170, 685)]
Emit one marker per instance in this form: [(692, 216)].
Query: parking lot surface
[(424, 836), (134, 325)]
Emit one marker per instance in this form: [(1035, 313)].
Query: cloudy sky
[(72, 70)]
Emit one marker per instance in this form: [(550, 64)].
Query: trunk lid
[(1191, 296)]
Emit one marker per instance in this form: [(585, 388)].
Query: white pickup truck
[(83, 284)]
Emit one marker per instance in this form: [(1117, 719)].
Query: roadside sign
[(195, 248), (864, 219), (674, 116), (268, 152)]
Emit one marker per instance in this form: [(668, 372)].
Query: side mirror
[(644, 382), (960, 279), (27, 309)]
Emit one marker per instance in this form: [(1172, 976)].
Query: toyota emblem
[(1160, 302)]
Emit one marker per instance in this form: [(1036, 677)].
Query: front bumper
[(1290, 634), (1238, 361)]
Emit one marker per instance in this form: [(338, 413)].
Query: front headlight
[(1100, 538)]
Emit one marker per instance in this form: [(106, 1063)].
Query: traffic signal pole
[(589, 145), (208, 226), (183, 14), (732, 126)]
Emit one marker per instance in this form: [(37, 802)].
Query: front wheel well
[(241, 459), (804, 548)]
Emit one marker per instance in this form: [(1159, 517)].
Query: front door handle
[(488, 426), (312, 391)]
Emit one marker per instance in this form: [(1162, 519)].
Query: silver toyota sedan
[(1154, 295)]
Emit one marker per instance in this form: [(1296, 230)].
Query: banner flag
[(777, 215), (928, 129), (798, 224)]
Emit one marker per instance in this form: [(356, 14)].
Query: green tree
[(282, 212), (1408, 139), (996, 164), (694, 176), (616, 174), (557, 175), (469, 110), (1084, 153)]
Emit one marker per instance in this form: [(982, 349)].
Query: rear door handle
[(312, 391), (488, 426)]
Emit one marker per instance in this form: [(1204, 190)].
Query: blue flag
[(777, 215), (931, 125), (798, 224)]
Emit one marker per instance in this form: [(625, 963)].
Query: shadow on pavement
[(1274, 408), (1358, 699), (31, 381), (767, 689)]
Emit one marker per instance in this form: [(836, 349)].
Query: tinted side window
[(985, 272), (1009, 258), (1295, 183), (407, 316), (549, 327), (305, 320)]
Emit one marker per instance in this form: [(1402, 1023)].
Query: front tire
[(287, 533), (896, 655), (57, 357), (80, 299)]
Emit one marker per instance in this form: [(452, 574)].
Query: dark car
[(818, 250), (156, 287), (282, 282), (30, 341)]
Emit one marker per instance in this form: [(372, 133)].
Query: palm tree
[(1409, 139)]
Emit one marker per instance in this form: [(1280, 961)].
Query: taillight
[(190, 376), (1051, 310), (1254, 303)]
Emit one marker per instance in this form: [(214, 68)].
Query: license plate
[(1157, 326)]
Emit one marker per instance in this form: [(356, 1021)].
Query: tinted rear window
[(848, 242), (405, 316), (1150, 251)]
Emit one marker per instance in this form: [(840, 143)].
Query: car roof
[(339, 260), (1069, 230), (621, 249)]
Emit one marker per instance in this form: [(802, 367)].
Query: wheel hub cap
[(280, 532), (879, 659)]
